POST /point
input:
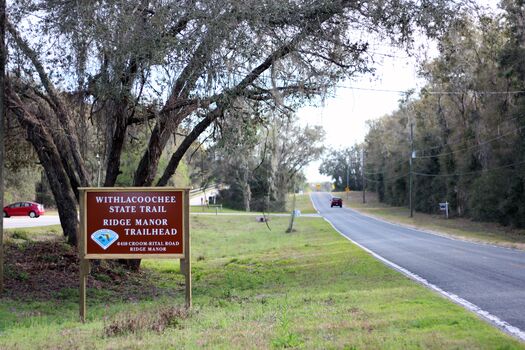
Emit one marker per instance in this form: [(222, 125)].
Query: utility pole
[(2, 134), (347, 177), (363, 174), (410, 201)]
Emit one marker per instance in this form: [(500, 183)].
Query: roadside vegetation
[(461, 137), (464, 228), (302, 203), (253, 289), (212, 209)]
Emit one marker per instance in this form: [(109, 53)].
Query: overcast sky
[(344, 116)]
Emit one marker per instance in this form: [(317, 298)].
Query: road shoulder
[(454, 228)]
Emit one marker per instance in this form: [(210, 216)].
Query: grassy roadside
[(211, 209), (51, 212), (38, 233), (254, 289), (302, 203), (456, 227)]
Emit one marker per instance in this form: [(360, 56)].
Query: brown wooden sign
[(130, 224), (133, 223)]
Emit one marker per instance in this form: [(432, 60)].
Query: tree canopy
[(82, 73), (468, 126)]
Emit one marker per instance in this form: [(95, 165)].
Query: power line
[(471, 172), (513, 92), (387, 179), (460, 141), (448, 175), (456, 151), (390, 55), (368, 89), (510, 92), (396, 162), (376, 173), (471, 147)]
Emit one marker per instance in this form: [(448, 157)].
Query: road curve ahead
[(492, 278)]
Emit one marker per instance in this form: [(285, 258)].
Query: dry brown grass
[(153, 320)]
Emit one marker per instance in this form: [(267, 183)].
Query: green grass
[(457, 227), (302, 202), (33, 233), (205, 209), (258, 289)]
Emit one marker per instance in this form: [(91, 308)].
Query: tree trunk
[(49, 156), (118, 123), (115, 146), (247, 196), (148, 165)]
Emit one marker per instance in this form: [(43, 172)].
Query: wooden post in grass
[(185, 263), (290, 227), (83, 263), (84, 273)]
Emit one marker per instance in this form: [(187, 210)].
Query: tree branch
[(186, 143), (57, 105)]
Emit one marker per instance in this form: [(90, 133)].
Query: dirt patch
[(44, 270), (157, 321)]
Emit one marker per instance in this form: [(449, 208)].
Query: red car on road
[(30, 209), (336, 202)]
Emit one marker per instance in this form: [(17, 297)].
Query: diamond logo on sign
[(104, 237)]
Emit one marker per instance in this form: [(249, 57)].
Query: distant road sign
[(318, 187), (347, 189), (444, 207)]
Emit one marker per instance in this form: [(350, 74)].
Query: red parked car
[(30, 209)]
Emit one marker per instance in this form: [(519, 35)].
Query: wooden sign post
[(134, 223)]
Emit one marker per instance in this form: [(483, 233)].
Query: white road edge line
[(503, 325)]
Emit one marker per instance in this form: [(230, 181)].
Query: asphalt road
[(492, 278), (26, 221)]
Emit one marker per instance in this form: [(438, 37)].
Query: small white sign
[(444, 207)]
